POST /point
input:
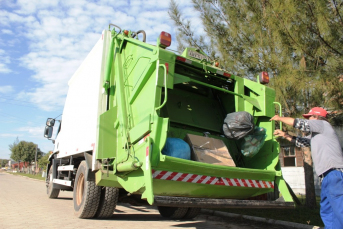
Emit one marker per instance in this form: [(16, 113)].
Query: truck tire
[(172, 212), (86, 195), (51, 192), (191, 213), (108, 202)]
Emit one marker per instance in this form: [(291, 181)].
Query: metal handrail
[(280, 112), (165, 87)]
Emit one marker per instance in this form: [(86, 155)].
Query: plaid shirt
[(302, 125)]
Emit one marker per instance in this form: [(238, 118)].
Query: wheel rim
[(80, 189)]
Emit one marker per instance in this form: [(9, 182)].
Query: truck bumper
[(218, 203)]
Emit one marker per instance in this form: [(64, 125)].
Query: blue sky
[(43, 42)]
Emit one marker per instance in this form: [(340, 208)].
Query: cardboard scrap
[(209, 150)]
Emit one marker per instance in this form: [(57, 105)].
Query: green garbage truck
[(144, 125)]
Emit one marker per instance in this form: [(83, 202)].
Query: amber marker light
[(165, 39), (264, 78)]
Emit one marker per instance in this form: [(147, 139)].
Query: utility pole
[(36, 160)]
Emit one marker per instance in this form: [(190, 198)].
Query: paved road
[(23, 204)]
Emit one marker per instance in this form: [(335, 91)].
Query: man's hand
[(275, 118), (286, 120), (279, 133)]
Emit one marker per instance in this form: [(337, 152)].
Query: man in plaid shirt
[(328, 159)]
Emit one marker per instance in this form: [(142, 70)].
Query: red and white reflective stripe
[(143, 139), (202, 179), (147, 158), (184, 60)]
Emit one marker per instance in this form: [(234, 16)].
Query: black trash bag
[(238, 124)]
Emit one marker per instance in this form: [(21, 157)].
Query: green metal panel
[(105, 178), (107, 142), (187, 108), (239, 102)]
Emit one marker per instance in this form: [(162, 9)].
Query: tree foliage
[(300, 44), (3, 162), (43, 161), (24, 151)]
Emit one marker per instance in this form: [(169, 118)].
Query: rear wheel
[(86, 195), (191, 213), (51, 192), (172, 212), (108, 202)]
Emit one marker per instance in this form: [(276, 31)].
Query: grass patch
[(37, 176), (299, 214)]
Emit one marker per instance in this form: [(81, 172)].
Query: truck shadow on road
[(152, 217), (65, 198)]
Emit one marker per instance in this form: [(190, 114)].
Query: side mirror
[(50, 122), (48, 132)]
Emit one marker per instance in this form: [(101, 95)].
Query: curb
[(259, 219)]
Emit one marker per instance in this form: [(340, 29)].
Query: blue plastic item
[(176, 147)]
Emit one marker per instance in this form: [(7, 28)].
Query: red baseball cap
[(316, 111)]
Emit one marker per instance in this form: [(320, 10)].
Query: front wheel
[(51, 192), (86, 195)]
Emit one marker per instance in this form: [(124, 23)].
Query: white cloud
[(4, 61), (9, 135), (27, 7), (6, 89), (6, 18), (61, 33), (6, 31), (32, 131), (4, 68)]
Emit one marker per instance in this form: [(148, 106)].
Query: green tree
[(24, 151), (3, 162), (298, 42), (15, 143), (43, 161)]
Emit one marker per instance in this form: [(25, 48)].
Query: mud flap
[(148, 193)]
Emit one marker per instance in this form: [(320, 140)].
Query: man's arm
[(299, 142), (280, 133), (287, 120)]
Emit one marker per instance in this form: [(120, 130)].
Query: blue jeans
[(331, 204)]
